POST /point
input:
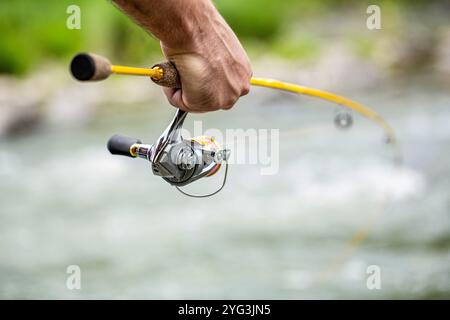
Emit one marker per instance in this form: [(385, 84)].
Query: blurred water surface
[(64, 200)]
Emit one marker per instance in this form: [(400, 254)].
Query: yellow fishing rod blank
[(359, 108), (154, 73), (92, 67)]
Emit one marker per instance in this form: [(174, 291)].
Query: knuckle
[(228, 103), (189, 108), (248, 68), (172, 103), (245, 89)]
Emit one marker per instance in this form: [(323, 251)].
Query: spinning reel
[(178, 161)]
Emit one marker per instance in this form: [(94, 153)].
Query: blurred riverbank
[(51, 97)]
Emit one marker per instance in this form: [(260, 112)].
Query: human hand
[(213, 67)]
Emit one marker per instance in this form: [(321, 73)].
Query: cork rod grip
[(170, 77)]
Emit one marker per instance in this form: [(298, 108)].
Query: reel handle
[(121, 145), (93, 67)]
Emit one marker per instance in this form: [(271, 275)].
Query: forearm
[(213, 67), (177, 23)]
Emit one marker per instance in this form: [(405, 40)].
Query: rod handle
[(170, 78), (121, 145), (93, 67)]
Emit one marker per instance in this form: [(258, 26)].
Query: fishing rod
[(177, 160)]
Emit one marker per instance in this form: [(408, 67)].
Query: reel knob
[(122, 145)]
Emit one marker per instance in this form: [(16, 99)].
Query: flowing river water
[(336, 206)]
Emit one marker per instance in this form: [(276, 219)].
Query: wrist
[(197, 27)]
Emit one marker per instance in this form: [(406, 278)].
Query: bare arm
[(214, 68)]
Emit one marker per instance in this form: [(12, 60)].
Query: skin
[(213, 66)]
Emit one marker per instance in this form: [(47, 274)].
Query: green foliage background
[(35, 31)]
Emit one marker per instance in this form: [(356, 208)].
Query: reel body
[(177, 160)]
